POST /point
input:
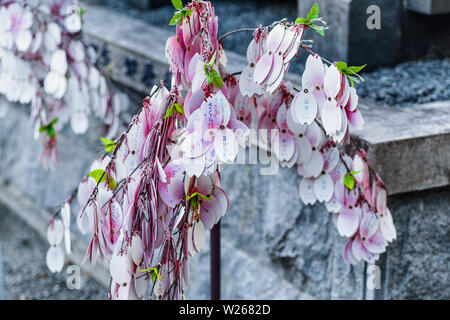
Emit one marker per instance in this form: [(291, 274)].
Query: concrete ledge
[(409, 147)]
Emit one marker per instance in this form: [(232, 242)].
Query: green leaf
[(169, 112), (49, 128), (110, 182), (177, 4), (194, 203), (179, 108), (54, 121), (355, 69), (341, 65), (109, 144), (97, 175), (301, 21), (197, 194), (313, 13), (81, 12), (352, 80), (174, 107), (176, 19), (213, 59), (216, 79), (349, 181), (355, 172), (51, 132), (318, 29), (154, 274), (188, 12), (100, 175)]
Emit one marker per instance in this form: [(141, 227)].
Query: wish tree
[(148, 202), (45, 63)]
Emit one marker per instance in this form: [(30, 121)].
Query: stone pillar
[(349, 37)]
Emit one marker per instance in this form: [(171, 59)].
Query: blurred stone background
[(273, 246)]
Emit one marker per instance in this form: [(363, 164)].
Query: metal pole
[(215, 262)]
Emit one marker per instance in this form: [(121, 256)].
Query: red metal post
[(215, 262)]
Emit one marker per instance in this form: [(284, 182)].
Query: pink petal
[(348, 222), (263, 68), (376, 244), (313, 76), (355, 118), (369, 224), (275, 38)]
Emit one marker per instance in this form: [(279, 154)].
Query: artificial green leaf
[(54, 121), (169, 112), (301, 21), (341, 65), (355, 69), (154, 273), (109, 144), (177, 4), (188, 12), (216, 79), (51, 132), (352, 80), (49, 128), (194, 203), (349, 181), (98, 175), (213, 59), (319, 29), (197, 194), (179, 108), (176, 19), (313, 13), (110, 182)]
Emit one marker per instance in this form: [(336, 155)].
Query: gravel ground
[(26, 275), (407, 83)]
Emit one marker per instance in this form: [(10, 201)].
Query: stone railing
[(273, 246)]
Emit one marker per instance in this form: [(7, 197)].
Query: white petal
[(306, 190), (304, 107), (67, 241), (79, 122), (55, 232), (55, 259), (387, 226), (332, 81), (225, 145), (329, 116), (51, 82), (314, 166), (23, 40), (58, 62), (118, 268), (137, 252), (324, 188), (304, 149)]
